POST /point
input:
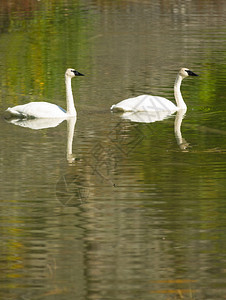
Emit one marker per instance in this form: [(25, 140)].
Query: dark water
[(125, 210)]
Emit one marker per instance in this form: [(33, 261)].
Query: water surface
[(125, 210)]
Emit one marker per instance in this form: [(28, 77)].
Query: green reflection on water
[(36, 49)]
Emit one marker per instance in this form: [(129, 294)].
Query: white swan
[(148, 103), (45, 109)]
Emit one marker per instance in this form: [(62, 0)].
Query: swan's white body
[(45, 109), (145, 103), (37, 110), (148, 103)]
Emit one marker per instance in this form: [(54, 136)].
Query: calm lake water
[(108, 208)]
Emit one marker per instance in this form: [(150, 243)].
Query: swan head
[(184, 72), (72, 73)]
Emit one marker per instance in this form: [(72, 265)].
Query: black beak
[(190, 73), (77, 73)]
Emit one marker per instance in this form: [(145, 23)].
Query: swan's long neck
[(69, 97), (177, 93)]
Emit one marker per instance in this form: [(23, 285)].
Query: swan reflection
[(70, 135), (146, 117), (151, 117), (177, 130), (43, 123), (72, 187), (36, 124)]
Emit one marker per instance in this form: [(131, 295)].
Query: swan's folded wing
[(37, 110), (145, 103)]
